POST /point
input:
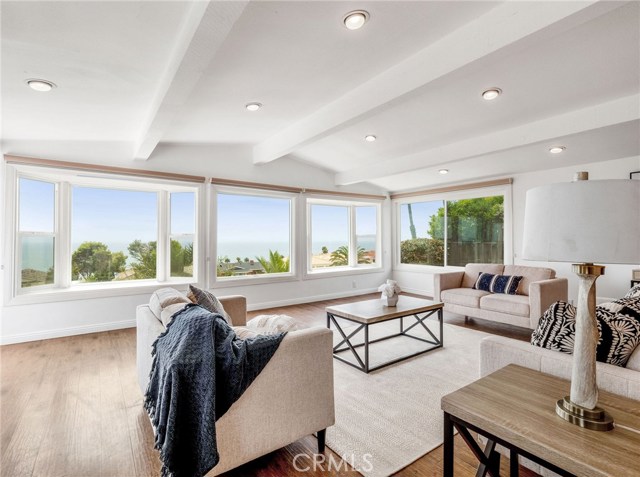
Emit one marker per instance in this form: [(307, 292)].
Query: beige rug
[(391, 417)]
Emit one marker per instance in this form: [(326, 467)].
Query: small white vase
[(392, 300)]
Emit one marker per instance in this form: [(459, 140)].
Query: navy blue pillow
[(507, 284)]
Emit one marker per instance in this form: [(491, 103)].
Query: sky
[(118, 217), (422, 212), (115, 217), (36, 206), (243, 218)]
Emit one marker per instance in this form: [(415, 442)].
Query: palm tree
[(275, 264), (340, 256), (412, 227)]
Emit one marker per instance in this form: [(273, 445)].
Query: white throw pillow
[(167, 312), (164, 297), (274, 324)]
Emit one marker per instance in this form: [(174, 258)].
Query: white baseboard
[(309, 299), (417, 291), (70, 331)]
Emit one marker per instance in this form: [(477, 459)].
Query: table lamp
[(584, 222)]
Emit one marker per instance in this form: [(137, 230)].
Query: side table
[(515, 407)]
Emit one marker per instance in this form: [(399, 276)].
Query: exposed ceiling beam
[(204, 29), (501, 28), (619, 111)]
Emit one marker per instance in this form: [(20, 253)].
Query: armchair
[(291, 398)]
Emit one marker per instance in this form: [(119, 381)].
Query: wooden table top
[(375, 311), (518, 405)]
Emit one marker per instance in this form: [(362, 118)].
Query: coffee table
[(369, 312)]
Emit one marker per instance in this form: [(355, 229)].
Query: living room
[(296, 187)]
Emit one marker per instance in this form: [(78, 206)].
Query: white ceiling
[(131, 75)]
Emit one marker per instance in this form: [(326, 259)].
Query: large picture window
[(76, 231), (253, 235), (342, 235), (114, 234), (452, 232)]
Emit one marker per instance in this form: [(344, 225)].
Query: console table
[(515, 407)]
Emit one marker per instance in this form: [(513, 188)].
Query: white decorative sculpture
[(390, 291)]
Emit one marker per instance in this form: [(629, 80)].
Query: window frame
[(353, 268), (64, 288), (505, 191), (233, 281), (19, 235)]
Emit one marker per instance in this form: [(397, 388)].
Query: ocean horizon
[(38, 252)]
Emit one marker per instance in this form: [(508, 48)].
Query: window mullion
[(445, 233), (164, 241), (62, 236), (353, 252)]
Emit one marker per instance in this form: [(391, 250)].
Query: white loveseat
[(497, 352), (291, 398), (538, 289)]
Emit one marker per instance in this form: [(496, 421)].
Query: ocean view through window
[(114, 234), (93, 233), (253, 235), (36, 237), (342, 235)]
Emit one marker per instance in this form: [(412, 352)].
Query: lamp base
[(595, 419)]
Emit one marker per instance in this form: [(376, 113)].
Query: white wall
[(616, 280), (61, 318)]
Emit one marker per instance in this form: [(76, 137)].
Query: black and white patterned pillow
[(507, 284), (618, 328), (634, 292)]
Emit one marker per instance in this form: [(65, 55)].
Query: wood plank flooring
[(71, 407)]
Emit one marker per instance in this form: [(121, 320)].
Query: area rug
[(391, 417)]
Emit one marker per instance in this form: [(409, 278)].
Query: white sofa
[(538, 289), (291, 398), (497, 352)]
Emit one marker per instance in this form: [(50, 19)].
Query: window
[(253, 235), (76, 231), (36, 237), (342, 235), (452, 232), (182, 234), (114, 234), (366, 233), (475, 231), (422, 233)]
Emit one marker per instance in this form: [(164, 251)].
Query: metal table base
[(363, 364)]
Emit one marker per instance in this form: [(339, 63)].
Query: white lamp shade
[(583, 221)]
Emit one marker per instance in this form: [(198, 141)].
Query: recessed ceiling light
[(556, 149), (444, 171), (370, 138), (491, 93), (40, 85), (356, 19), (253, 106)]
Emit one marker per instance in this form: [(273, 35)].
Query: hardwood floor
[(72, 407)]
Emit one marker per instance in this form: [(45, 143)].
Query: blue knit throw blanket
[(200, 368)]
